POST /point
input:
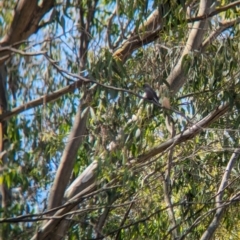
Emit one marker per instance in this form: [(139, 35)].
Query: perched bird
[(150, 93)]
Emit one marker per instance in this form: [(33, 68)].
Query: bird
[(150, 93)]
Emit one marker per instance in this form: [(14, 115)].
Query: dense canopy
[(84, 154)]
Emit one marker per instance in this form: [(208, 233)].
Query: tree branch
[(213, 13), (184, 136), (221, 207)]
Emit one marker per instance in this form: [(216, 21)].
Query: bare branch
[(221, 207), (118, 236), (44, 99), (151, 28), (167, 192), (186, 135), (14, 50), (223, 26), (25, 22), (213, 13), (177, 77)]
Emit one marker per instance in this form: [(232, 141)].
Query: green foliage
[(121, 127)]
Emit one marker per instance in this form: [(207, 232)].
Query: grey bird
[(150, 93)]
